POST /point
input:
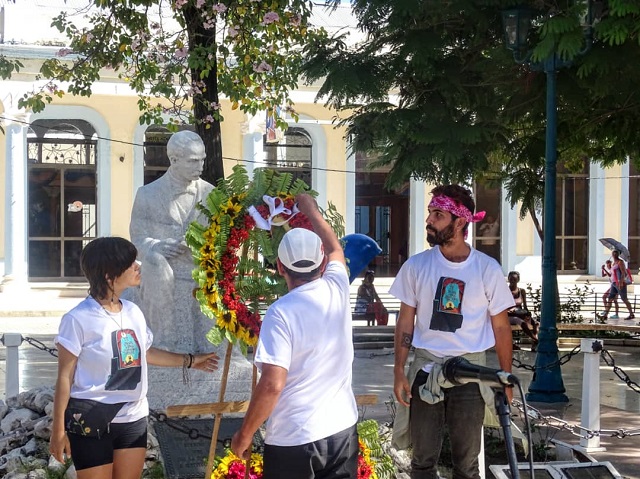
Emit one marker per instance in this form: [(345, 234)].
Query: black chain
[(176, 424), (193, 433), (559, 362), (608, 359), (41, 346)]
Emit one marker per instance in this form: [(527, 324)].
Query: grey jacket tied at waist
[(432, 392)]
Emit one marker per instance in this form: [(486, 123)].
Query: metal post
[(547, 385), (12, 341), (590, 414)]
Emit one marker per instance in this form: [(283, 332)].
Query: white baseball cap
[(301, 250)]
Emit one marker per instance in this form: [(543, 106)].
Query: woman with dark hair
[(621, 277), (520, 315), (104, 345)]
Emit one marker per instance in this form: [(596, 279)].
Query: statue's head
[(186, 153)]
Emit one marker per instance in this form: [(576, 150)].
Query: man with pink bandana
[(454, 302)]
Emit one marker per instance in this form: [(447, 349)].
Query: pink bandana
[(447, 204)]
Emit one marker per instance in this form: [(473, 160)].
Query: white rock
[(16, 475), (71, 473), (4, 409), (37, 474), (56, 466), (30, 448), (42, 399), (15, 418)]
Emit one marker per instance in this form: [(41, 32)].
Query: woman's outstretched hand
[(205, 362)]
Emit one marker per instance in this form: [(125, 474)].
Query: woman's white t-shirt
[(111, 351), (308, 332), (454, 301)]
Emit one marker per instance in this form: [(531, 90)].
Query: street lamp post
[(547, 385)]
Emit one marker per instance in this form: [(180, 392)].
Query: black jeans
[(333, 457), (462, 412)]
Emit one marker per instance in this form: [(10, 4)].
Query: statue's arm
[(139, 228)]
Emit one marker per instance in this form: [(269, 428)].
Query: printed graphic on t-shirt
[(447, 305), (126, 367)]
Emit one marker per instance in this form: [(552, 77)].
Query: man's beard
[(442, 237)]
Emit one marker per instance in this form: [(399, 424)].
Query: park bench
[(390, 302)]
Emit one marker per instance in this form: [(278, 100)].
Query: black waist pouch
[(86, 417)]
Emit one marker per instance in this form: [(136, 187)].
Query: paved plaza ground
[(373, 375)]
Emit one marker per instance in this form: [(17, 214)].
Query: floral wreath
[(246, 221)]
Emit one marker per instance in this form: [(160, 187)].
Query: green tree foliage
[(187, 52), (434, 91)]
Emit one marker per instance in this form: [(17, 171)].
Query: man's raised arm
[(332, 247)]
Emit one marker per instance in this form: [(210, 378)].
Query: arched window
[(156, 161), (487, 233), (62, 209), (572, 220), (292, 154)]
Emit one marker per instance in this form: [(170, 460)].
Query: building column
[(252, 151), (350, 185), (16, 202), (417, 217)]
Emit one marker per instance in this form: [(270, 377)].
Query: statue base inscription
[(184, 455)]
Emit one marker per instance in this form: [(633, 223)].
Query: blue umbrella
[(613, 244), (359, 250)]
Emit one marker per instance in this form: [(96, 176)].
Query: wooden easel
[(221, 407)]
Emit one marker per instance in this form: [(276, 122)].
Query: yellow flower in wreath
[(228, 320)]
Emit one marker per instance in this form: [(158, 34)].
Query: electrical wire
[(242, 160)]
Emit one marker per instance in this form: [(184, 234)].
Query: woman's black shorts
[(92, 451)]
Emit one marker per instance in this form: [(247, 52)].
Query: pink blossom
[(208, 119), (233, 31), (296, 20), (63, 52), (135, 44), (209, 23), (215, 106), (181, 53), (219, 7), (200, 3), (270, 17), (262, 67), (180, 3)]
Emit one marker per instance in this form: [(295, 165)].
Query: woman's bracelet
[(191, 358)]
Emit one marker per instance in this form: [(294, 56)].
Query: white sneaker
[(614, 316)]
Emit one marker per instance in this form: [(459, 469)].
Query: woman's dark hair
[(513, 273), (103, 259), (460, 195)]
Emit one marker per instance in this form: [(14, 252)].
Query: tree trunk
[(536, 223), (209, 132)]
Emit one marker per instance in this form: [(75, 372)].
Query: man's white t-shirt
[(308, 332), (454, 301), (111, 350)]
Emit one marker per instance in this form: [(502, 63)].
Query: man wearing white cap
[(305, 356)]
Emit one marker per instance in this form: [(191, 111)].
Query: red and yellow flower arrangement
[(247, 220), (232, 467)]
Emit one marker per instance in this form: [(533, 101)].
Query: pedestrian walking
[(607, 273), (621, 278)]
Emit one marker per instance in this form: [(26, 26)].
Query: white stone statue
[(162, 212)]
